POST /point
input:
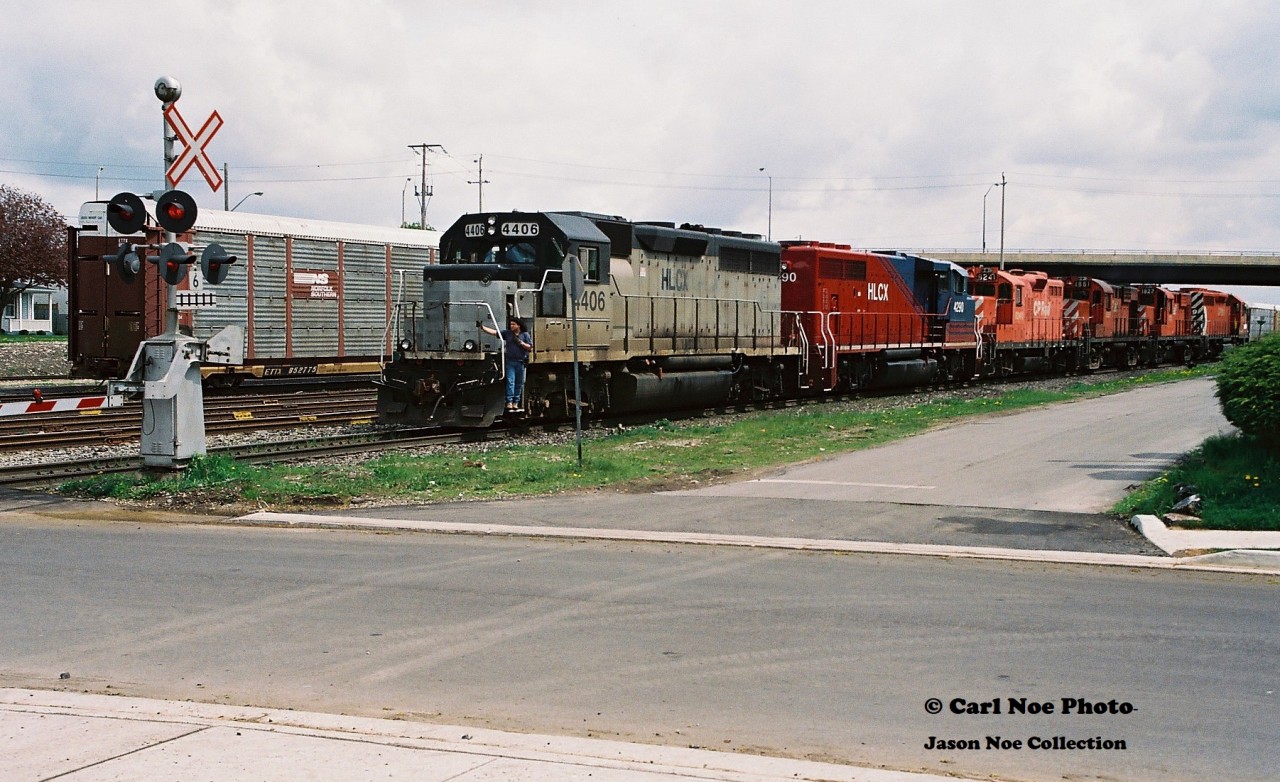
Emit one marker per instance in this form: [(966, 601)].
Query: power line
[(1167, 194), (751, 183)]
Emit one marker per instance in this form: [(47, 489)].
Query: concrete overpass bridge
[(1220, 268)]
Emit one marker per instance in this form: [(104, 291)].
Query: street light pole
[(769, 236), (1003, 188), (246, 198), (404, 189), (96, 179), (984, 215)]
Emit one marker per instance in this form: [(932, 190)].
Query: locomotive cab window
[(518, 253), (590, 257), (1006, 293)]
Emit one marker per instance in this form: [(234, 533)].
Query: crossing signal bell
[(176, 211), (126, 214)]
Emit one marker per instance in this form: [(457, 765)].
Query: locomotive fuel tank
[(911, 372), (633, 392)]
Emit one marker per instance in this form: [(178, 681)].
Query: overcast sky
[(1119, 125)]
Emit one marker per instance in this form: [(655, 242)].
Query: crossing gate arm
[(84, 404)]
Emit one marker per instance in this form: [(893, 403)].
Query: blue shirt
[(517, 348)]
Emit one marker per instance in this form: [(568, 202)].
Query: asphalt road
[(824, 656), (1076, 457), (830, 656)]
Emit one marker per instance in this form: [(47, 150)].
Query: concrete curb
[(409, 749), (1174, 541), (316, 521)]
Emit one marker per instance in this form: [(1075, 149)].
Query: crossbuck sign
[(193, 148)]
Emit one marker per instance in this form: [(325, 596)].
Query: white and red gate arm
[(82, 404)]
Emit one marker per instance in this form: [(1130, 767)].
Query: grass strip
[(652, 457), (1237, 479)]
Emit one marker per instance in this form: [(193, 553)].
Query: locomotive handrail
[(492, 318), (826, 346), (394, 319), (804, 347), (542, 286)]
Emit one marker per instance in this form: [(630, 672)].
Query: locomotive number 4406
[(519, 229)]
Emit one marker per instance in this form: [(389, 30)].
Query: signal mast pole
[(168, 90), (166, 368)]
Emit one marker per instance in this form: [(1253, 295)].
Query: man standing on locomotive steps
[(517, 347)]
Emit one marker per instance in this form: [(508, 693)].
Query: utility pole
[(769, 235), (423, 193), (481, 182), (226, 189)]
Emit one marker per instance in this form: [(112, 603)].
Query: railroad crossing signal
[(176, 211), (126, 213), (214, 262), (173, 261), (193, 148)]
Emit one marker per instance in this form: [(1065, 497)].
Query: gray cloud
[(1119, 124)]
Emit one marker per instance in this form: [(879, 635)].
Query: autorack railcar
[(313, 297)]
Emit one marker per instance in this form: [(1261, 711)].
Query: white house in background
[(36, 310)]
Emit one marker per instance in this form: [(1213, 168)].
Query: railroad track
[(223, 415)]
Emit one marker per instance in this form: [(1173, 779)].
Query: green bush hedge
[(1249, 389)]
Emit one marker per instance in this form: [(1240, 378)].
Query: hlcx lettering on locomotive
[(675, 279)]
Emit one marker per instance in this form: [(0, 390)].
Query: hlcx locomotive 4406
[(676, 317)]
